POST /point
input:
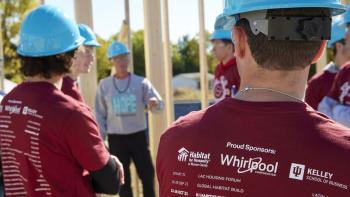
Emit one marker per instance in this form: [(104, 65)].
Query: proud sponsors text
[(250, 148)]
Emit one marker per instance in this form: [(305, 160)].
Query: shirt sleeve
[(101, 111), (341, 114), (85, 144), (149, 92), (326, 106)]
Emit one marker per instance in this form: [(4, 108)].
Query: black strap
[(299, 28), (106, 180)]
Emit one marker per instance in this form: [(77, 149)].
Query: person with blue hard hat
[(266, 141), (48, 139), (120, 111), (226, 82), (320, 84), (336, 104), (82, 63)]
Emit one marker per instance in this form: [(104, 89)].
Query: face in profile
[(221, 49), (84, 59)]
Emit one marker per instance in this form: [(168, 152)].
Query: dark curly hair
[(48, 65)]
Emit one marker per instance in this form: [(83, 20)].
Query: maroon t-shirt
[(47, 140), (341, 87), (318, 87), (69, 87), (227, 80), (251, 149)]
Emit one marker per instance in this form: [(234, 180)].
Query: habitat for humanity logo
[(297, 171), (183, 154), (193, 158)]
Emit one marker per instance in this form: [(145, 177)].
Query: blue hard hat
[(90, 37), (338, 32), (220, 33), (48, 30), (346, 17), (233, 7), (117, 48)]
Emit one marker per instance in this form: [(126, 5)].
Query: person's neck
[(273, 86), (227, 59), (339, 61), (54, 80), (73, 76), (121, 75)]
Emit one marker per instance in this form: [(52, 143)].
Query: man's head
[(83, 60), (222, 49), (279, 38), (341, 49), (221, 40), (49, 51), (85, 55), (119, 55)]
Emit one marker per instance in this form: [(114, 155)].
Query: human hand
[(153, 103), (120, 169)]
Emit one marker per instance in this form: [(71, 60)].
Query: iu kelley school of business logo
[(297, 171)]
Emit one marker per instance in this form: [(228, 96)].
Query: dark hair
[(283, 54), (48, 65), (227, 41)]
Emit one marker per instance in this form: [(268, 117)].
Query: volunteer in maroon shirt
[(336, 104), (82, 63), (266, 141), (320, 84), (48, 139), (227, 80)]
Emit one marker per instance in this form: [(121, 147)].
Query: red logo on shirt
[(218, 90)]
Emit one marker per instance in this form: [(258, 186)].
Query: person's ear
[(239, 40), (320, 52), (339, 46)]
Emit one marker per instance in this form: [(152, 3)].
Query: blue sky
[(183, 15)]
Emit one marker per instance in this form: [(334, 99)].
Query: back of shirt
[(227, 80), (238, 148), (47, 141), (319, 85), (341, 87)]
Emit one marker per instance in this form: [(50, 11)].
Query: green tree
[(138, 49), (186, 56), (12, 17), (103, 64)]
